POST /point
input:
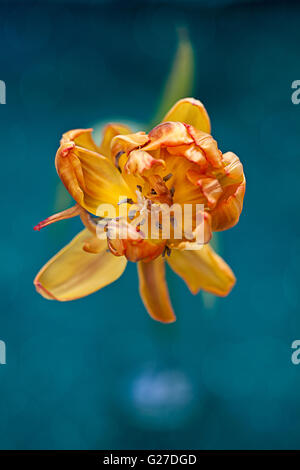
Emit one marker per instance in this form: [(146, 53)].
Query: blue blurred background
[(98, 373)]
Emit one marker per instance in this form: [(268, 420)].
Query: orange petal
[(208, 145), (74, 273), (154, 290), (125, 239), (229, 207), (209, 187), (203, 269), (190, 111), (110, 131), (140, 161), (90, 178), (233, 170), (192, 153), (168, 134)]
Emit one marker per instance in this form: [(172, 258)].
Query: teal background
[(98, 373)]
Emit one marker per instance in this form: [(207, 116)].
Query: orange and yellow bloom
[(176, 163)]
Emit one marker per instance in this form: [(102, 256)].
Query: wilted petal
[(203, 269), (74, 273), (154, 290), (63, 215), (190, 111)]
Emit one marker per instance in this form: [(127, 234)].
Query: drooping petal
[(90, 178), (203, 269), (110, 131), (154, 290), (73, 273), (66, 214), (190, 111)]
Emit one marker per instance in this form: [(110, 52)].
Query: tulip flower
[(130, 175)]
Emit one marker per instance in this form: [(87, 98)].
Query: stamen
[(167, 177), (173, 221), (127, 200), (172, 191), (167, 251), (131, 214), (153, 191), (139, 188), (117, 158)]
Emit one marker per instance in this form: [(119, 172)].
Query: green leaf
[(179, 83)]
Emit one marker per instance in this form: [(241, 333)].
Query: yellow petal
[(203, 269), (154, 290), (73, 273), (82, 138), (90, 178), (190, 111), (126, 143), (110, 131)]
